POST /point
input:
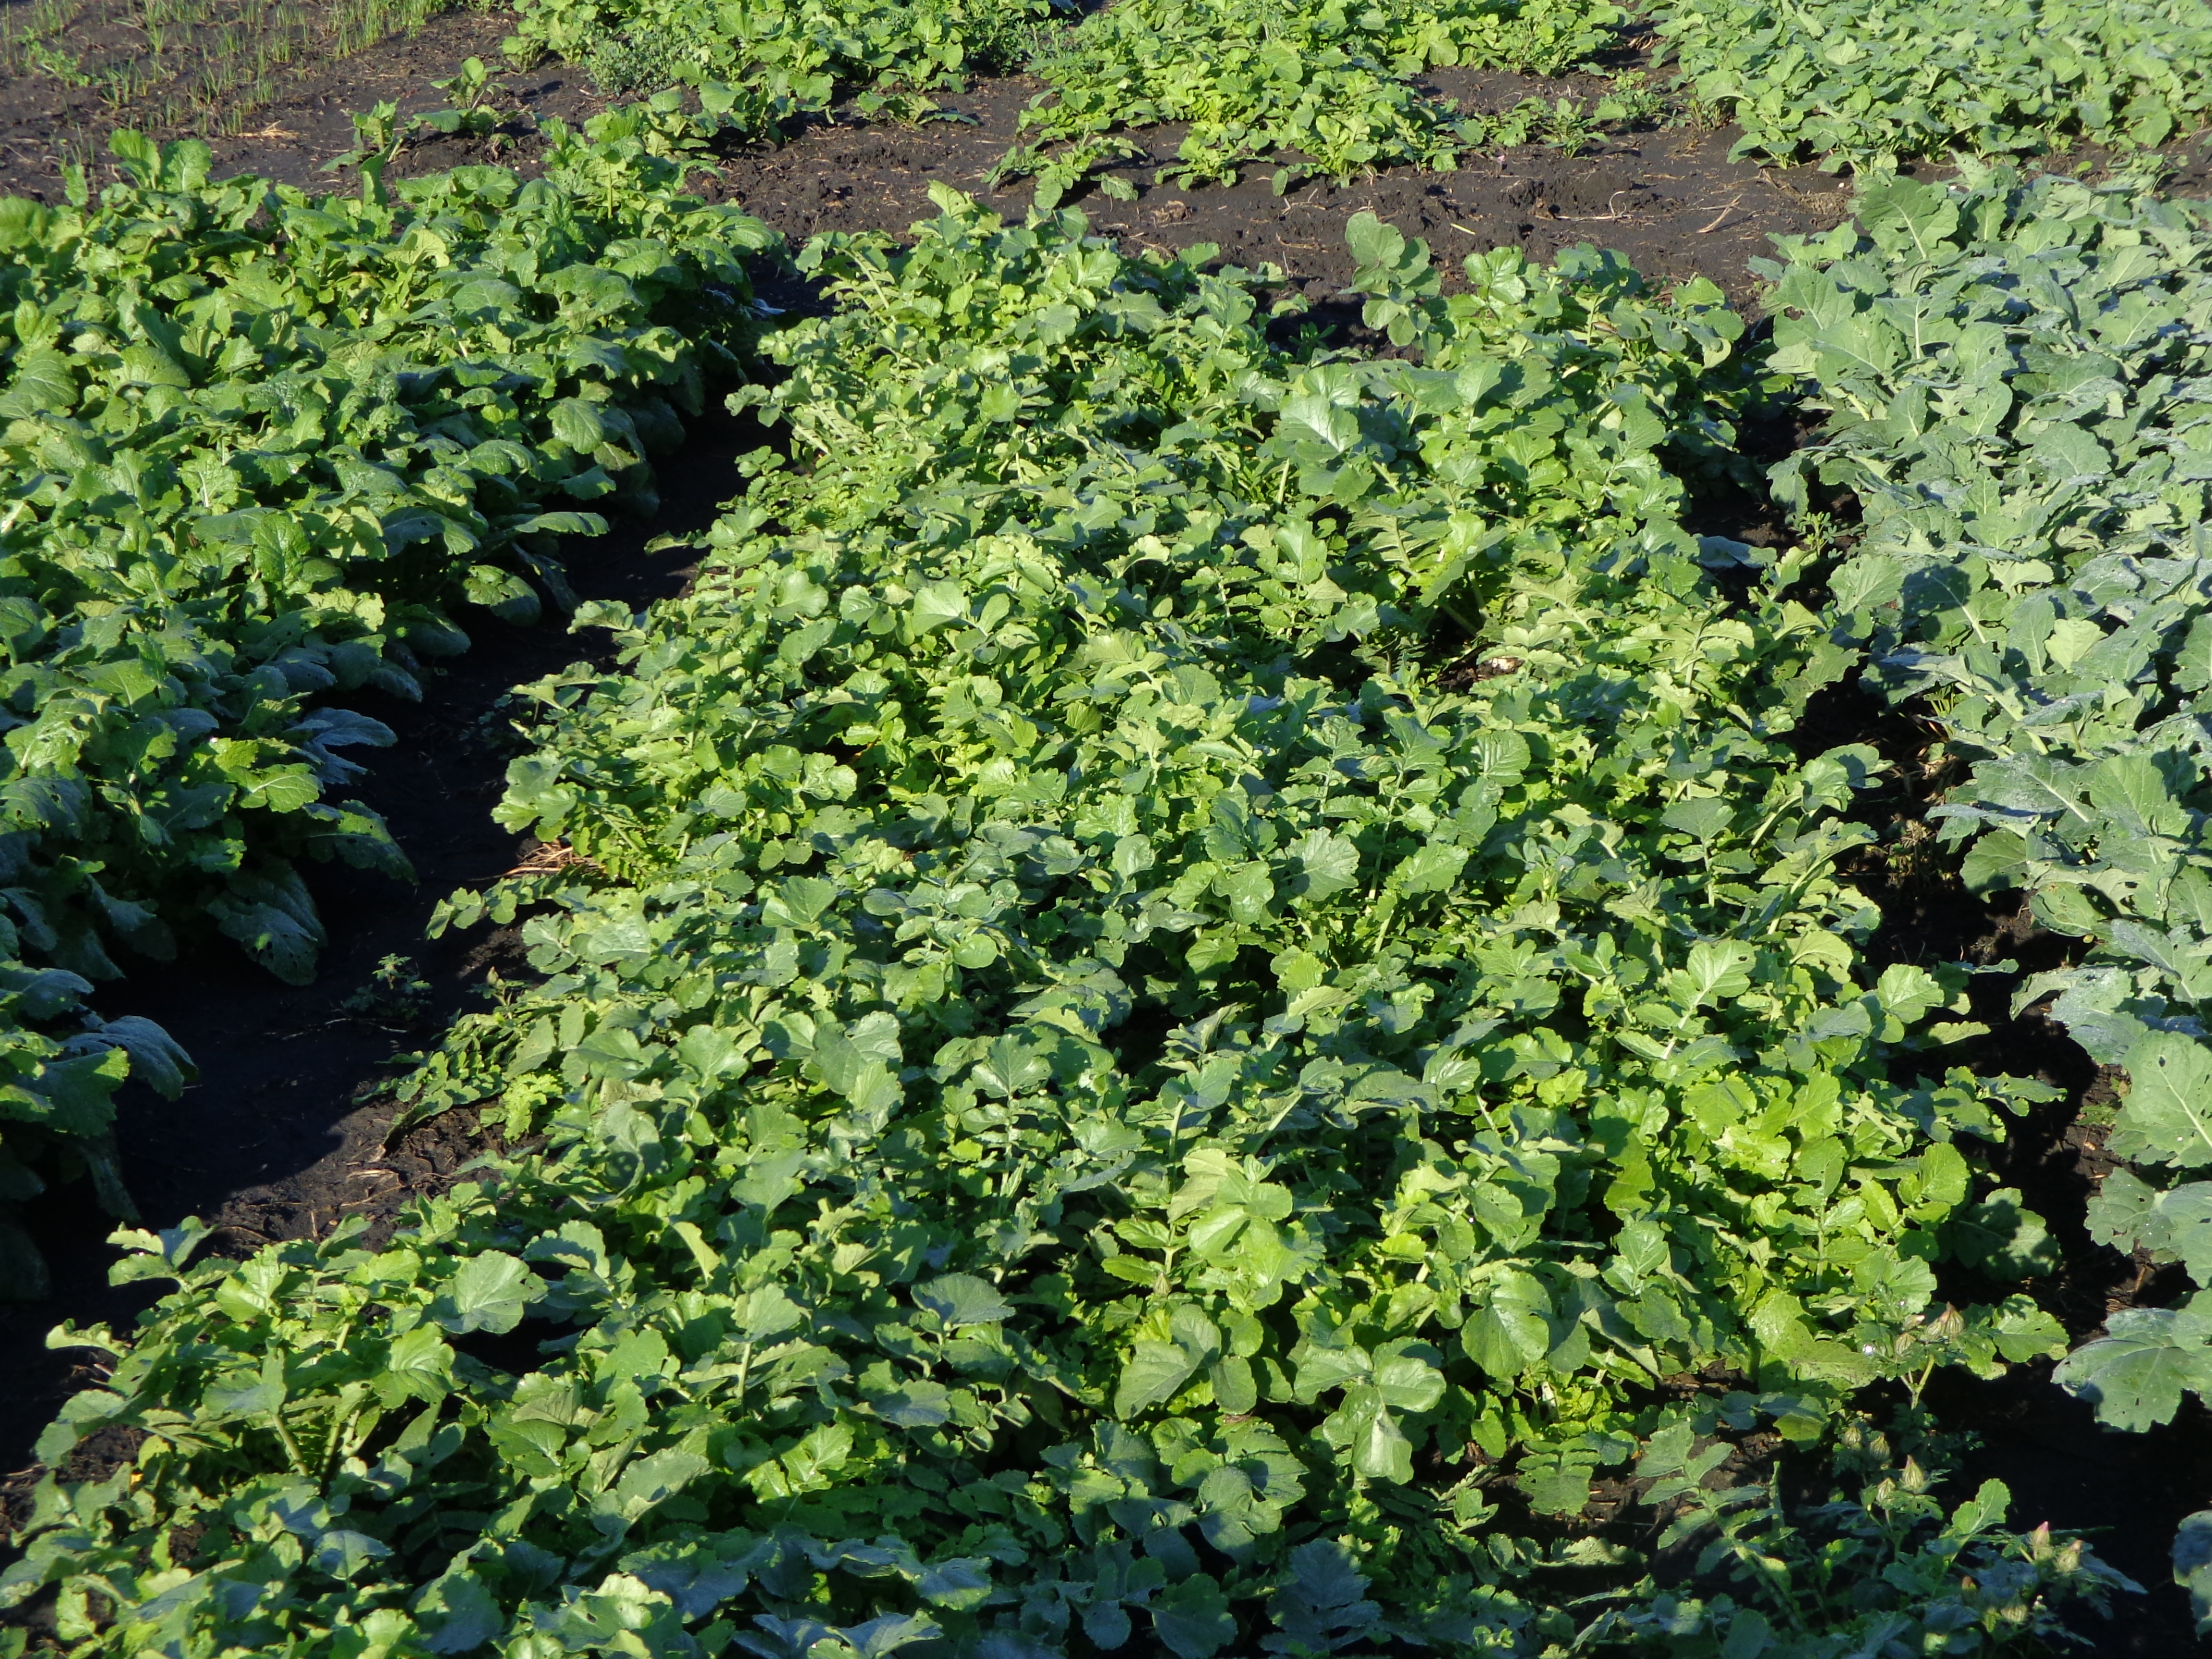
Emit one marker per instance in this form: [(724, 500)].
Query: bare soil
[(1668, 199), (285, 1133)]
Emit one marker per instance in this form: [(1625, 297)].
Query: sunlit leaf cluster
[(766, 61), (1871, 82), (257, 450), (1197, 993)]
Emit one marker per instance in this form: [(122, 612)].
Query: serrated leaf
[(2127, 1214), (1153, 1374), (1512, 1330)]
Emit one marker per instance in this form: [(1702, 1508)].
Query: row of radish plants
[(1201, 1000), (1307, 87)]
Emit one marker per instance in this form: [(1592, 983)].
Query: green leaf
[(1326, 863), (419, 1365), (1409, 1381), (2167, 1116), (1323, 1606), (1922, 217), (1380, 1450), (343, 1554), (1155, 1372), (2192, 663), (577, 424), (1433, 869), (458, 1612), (1555, 1482), (1718, 970), (2137, 1374), (160, 1254), (249, 1394), (2127, 1213), (1192, 1618), (961, 1299), (156, 1058), (491, 1292), (45, 382), (914, 1403), (657, 1477), (1512, 1330), (767, 1312), (1702, 817), (2192, 1566), (852, 1065), (935, 605), (2002, 1238)]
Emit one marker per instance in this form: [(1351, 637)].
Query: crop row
[(2018, 388), (1199, 998), (258, 448), (1327, 89)]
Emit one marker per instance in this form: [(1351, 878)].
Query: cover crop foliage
[(2019, 389), (1094, 1100), (260, 448), (1870, 83), (769, 60), (1252, 77)]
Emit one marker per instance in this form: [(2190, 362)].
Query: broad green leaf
[(2192, 1566), (1557, 1482), (1433, 869), (2002, 1238), (1512, 1330), (1192, 1618), (343, 1553), (917, 1403), (2167, 1116), (458, 1612), (2127, 1214), (491, 1292), (1719, 970), (2137, 1374), (419, 1365), (959, 1299), (657, 1477)]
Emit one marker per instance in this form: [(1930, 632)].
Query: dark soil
[(1668, 198), (285, 1132)]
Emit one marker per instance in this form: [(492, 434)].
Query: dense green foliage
[(2018, 382), (1092, 1096), (63, 1066), (1872, 81), (1252, 77), (768, 60), (258, 447)]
